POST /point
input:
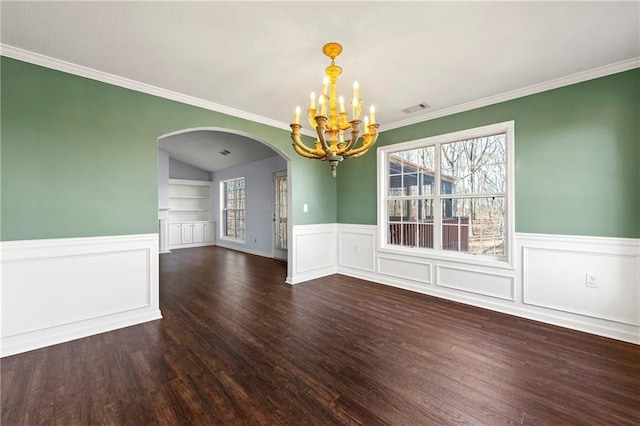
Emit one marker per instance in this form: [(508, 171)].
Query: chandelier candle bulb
[(325, 85), (356, 90), (296, 115), (372, 114), (366, 125), (312, 98), (354, 114), (341, 102), (323, 106)]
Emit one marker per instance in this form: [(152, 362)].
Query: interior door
[(280, 215)]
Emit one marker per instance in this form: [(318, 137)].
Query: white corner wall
[(313, 252), (58, 290), (548, 281)]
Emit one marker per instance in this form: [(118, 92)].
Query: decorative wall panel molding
[(356, 247), (414, 269), (58, 290), (473, 281), (593, 277), (314, 252)]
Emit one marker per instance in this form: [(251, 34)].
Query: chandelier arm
[(357, 152), (295, 136), (355, 155), (302, 147), (352, 142), (306, 154), (320, 130), (355, 134), (369, 140)]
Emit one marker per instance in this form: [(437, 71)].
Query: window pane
[(474, 166), (474, 225), (394, 210), (233, 209), (425, 223), (411, 172), (410, 223), (398, 216)]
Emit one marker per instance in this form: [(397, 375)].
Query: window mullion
[(437, 203)]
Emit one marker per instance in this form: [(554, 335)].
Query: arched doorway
[(227, 154)]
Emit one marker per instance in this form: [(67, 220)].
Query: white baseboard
[(181, 246), (551, 290), (311, 275), (242, 249), (58, 290), (29, 341)]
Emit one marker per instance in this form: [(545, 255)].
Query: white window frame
[(223, 224), (506, 261)]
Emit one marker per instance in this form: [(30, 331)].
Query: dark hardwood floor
[(238, 346)]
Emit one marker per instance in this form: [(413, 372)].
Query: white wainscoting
[(467, 283), (58, 290), (356, 247), (314, 252), (547, 283), (474, 281), (555, 269), (406, 267)]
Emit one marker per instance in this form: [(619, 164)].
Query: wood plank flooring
[(238, 346)]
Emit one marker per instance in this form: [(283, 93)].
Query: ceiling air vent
[(225, 152), (420, 107)]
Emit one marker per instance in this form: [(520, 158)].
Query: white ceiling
[(264, 58), (201, 148)]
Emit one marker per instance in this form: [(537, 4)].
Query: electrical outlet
[(305, 208), (593, 280)]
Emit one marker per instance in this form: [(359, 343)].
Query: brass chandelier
[(330, 145)]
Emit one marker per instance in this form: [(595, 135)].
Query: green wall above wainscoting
[(79, 157), (577, 159)]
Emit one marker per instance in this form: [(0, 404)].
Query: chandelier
[(331, 145)]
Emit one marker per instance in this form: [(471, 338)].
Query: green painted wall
[(79, 157), (577, 168)]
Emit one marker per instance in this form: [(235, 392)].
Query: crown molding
[(93, 74), (579, 77), (82, 71)]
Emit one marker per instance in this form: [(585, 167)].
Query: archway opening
[(243, 172)]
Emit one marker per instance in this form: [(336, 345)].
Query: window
[(450, 193), (233, 208)]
